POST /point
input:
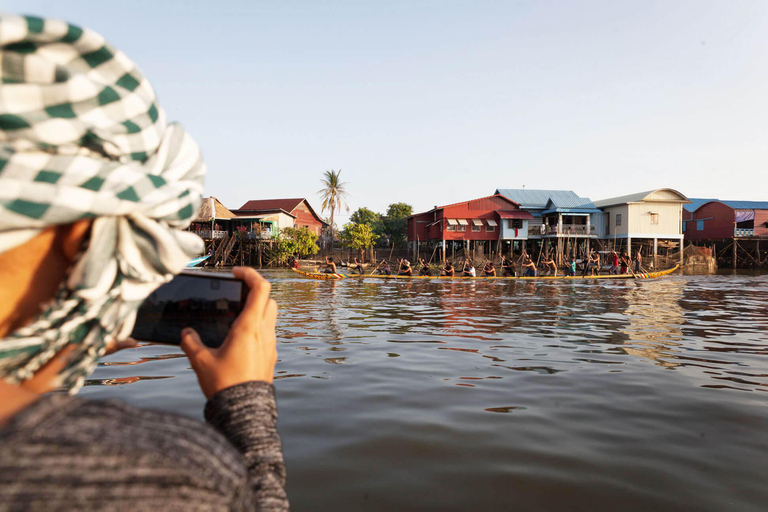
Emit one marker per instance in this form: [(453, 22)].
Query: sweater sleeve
[(247, 416)]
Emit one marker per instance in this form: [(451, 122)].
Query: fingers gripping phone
[(207, 302)]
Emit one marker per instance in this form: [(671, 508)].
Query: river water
[(494, 395)]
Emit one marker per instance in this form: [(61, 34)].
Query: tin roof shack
[(712, 219), (648, 218), (288, 213), (486, 226), (562, 222), (735, 225)]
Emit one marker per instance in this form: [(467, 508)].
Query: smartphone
[(206, 302)]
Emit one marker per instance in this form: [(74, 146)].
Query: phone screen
[(207, 303)]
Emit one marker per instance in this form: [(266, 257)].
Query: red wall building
[(475, 220), (726, 219), (298, 207)]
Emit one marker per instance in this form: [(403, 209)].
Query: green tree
[(289, 241), (303, 241), (396, 222), (359, 236), (333, 194), (365, 215)]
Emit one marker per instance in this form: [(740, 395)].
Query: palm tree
[(333, 195)]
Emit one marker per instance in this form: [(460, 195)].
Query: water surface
[(494, 395)]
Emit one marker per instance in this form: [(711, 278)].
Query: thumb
[(192, 345)]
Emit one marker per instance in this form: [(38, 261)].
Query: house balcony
[(205, 234), (260, 235), (740, 232), (571, 230)]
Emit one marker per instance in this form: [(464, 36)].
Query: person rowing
[(594, 263), (507, 267), (358, 266), (614, 263), (570, 267), (330, 266), (638, 262), (489, 270), (529, 266), (549, 265), (405, 268), (469, 269), (383, 268), (623, 262), (424, 269), (448, 270)]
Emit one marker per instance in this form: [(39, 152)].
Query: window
[(461, 227), (451, 227), (515, 223), (654, 218), (685, 225), (699, 225), (490, 228), (618, 219), (476, 225)]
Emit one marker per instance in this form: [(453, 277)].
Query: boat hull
[(642, 275)]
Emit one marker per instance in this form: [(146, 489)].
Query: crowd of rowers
[(589, 265)]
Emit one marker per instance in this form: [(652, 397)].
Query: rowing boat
[(336, 276)]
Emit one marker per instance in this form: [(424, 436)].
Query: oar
[(389, 258)]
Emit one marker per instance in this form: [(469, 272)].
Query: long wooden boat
[(336, 276)]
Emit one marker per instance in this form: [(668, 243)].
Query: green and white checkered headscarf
[(82, 137)]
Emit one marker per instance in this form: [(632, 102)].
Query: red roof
[(520, 214), (288, 205), (500, 196), (272, 204)]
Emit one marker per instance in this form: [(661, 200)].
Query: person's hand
[(249, 352)]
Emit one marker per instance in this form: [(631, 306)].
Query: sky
[(436, 102)]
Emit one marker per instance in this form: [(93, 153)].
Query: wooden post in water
[(734, 253)]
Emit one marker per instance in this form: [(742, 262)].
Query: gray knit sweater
[(66, 453)]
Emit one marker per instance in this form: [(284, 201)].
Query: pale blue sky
[(436, 102)]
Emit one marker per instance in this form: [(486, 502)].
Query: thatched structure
[(212, 209)]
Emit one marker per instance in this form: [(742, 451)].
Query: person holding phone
[(90, 225)]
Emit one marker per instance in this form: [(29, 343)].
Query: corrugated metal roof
[(529, 198), (747, 205), (574, 204), (632, 198), (697, 203), (572, 210)]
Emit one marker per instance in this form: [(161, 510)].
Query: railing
[(206, 234), (571, 229), (743, 231), (263, 235)]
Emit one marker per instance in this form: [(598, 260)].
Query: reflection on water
[(446, 395)]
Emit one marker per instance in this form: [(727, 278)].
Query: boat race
[(399, 256)]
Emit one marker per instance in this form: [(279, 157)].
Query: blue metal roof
[(538, 199), (572, 210), (574, 204), (697, 203), (747, 205)]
